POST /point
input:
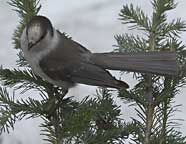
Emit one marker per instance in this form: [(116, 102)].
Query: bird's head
[(37, 29)]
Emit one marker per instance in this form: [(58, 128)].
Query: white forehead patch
[(34, 32)]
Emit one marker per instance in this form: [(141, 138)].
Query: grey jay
[(63, 62)]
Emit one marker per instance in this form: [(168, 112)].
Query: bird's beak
[(30, 45)]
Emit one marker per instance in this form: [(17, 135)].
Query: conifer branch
[(134, 16), (130, 43), (97, 120), (154, 94), (25, 79), (26, 9), (12, 110)]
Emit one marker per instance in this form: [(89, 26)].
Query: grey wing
[(71, 45), (70, 62), (90, 74), (83, 73), (56, 64)]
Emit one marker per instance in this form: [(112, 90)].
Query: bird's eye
[(31, 44), (41, 37)]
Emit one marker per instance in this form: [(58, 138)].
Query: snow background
[(93, 23)]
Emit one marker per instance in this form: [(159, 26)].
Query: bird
[(63, 62)]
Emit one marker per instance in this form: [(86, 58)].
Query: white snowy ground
[(93, 23)]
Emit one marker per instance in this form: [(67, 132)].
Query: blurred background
[(93, 23)]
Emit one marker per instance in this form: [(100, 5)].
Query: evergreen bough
[(97, 120)]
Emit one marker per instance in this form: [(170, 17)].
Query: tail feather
[(121, 84), (163, 63)]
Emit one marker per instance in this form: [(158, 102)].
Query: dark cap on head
[(37, 29)]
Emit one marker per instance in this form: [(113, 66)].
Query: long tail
[(163, 63)]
